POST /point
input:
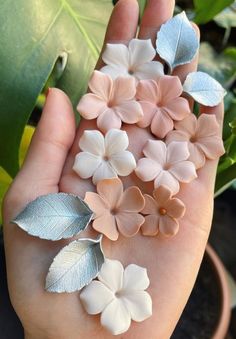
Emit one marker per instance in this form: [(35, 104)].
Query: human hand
[(172, 264)]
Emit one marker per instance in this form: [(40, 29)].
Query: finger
[(122, 25), (51, 142), (155, 14)]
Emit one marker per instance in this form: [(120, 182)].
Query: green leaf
[(227, 18), (207, 9), (225, 179), (34, 35), (142, 5)]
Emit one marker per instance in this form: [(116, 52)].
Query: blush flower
[(111, 102), (119, 295), (163, 213), (161, 104), (104, 157), (167, 165), (116, 211), (202, 135), (134, 60)]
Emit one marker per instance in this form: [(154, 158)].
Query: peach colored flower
[(116, 211), (202, 135), (111, 102), (166, 164), (161, 104), (163, 213)]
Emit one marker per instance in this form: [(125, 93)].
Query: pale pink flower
[(167, 165), (111, 102), (161, 104), (162, 212), (202, 135), (115, 210), (134, 60)]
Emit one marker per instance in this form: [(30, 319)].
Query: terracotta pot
[(224, 294)]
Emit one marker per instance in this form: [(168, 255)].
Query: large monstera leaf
[(34, 35)]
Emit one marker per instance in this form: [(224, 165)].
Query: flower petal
[(111, 191), (147, 169), (177, 109), (106, 225), (101, 84), (123, 162), (147, 90), (116, 141), (150, 227), (111, 274), (116, 55), (96, 203), (149, 70), (187, 125), (207, 126), (95, 297), (170, 88), (150, 205), (162, 194), (168, 226), (132, 200), (155, 150), (140, 52), (212, 146), (148, 113), (104, 171), (90, 106), (116, 318), (129, 223), (124, 89), (177, 151), (108, 120), (197, 156), (139, 304), (135, 278), (176, 136), (86, 164), (167, 179), (161, 124), (115, 71), (175, 208), (92, 141), (184, 171), (129, 112)]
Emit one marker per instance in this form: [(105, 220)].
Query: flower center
[(162, 211), (105, 158), (193, 139), (113, 211), (120, 293), (130, 71)]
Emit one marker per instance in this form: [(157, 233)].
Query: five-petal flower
[(161, 104), (202, 135), (116, 210), (162, 212), (111, 101), (166, 164), (104, 157), (119, 295), (134, 60)]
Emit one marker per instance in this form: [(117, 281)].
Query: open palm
[(172, 263)]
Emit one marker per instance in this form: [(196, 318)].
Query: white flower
[(104, 157), (119, 295), (134, 60)]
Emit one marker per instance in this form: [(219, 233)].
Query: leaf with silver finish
[(55, 216), (75, 266)]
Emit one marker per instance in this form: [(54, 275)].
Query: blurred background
[(46, 43)]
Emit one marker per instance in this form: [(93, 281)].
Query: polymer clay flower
[(111, 102), (162, 212), (167, 165), (119, 295), (116, 211), (104, 157), (133, 60), (161, 104), (202, 135)]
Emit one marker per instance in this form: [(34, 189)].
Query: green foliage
[(205, 10), (142, 5), (36, 35)]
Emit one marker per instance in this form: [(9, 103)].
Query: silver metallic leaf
[(177, 42), (55, 216), (75, 266), (204, 89)]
